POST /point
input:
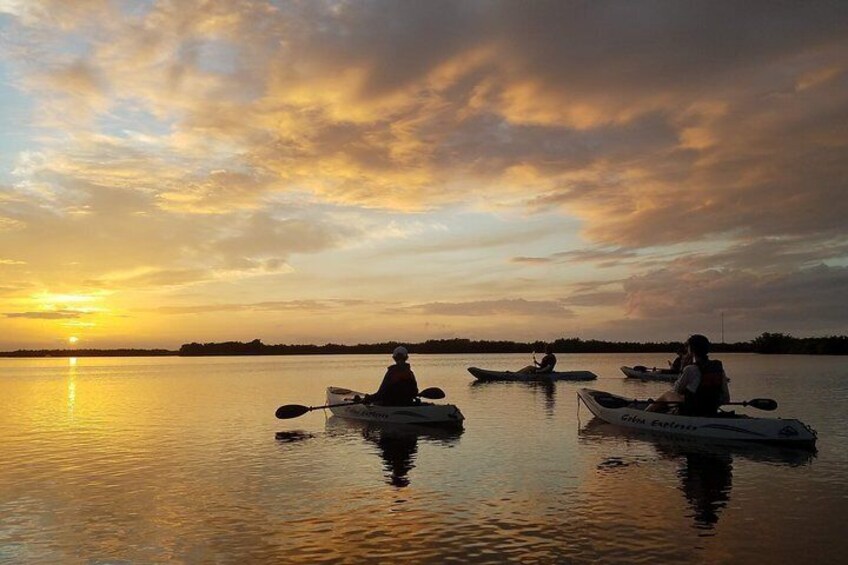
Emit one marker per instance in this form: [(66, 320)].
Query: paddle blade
[(433, 393), (291, 411), (763, 404)]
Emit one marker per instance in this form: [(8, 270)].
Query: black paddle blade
[(763, 404), (291, 411), (433, 393)]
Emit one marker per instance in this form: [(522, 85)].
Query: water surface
[(140, 460)]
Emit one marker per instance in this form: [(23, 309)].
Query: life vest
[(707, 398), (399, 386)]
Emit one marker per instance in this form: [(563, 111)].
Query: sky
[(350, 172)]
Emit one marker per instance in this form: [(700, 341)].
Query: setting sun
[(73, 340)]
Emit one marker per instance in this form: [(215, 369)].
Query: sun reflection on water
[(72, 386)]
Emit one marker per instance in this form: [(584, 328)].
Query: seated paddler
[(399, 387), (546, 365), (702, 386)]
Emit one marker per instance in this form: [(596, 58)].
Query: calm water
[(155, 460)]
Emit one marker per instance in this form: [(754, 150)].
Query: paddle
[(766, 404), (289, 411)]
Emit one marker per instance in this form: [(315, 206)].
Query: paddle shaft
[(322, 407), (766, 404), (651, 400)]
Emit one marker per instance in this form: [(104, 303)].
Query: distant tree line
[(768, 343), (784, 343), (88, 353)]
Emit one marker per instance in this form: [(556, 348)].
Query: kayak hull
[(674, 445), (633, 373), (488, 375), (424, 414), (618, 411)]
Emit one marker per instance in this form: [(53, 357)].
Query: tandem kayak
[(487, 375), (423, 414), (622, 411), (639, 372)]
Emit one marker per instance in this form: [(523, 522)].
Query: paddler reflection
[(398, 450), (706, 478), (546, 388), (705, 468), (396, 444)]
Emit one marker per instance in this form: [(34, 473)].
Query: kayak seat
[(608, 401)]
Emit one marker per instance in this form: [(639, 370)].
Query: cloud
[(505, 307), (410, 107), (308, 306), (808, 298), (601, 298), (531, 260), (54, 315), (199, 142)]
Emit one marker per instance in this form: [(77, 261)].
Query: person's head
[(400, 354), (699, 346)]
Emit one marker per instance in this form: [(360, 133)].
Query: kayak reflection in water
[(546, 365), (397, 445), (706, 479), (399, 387), (701, 387), (398, 451)]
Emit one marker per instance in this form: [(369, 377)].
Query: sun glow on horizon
[(73, 340)]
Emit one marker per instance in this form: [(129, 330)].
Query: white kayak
[(423, 414), (621, 411), (487, 375), (646, 374)]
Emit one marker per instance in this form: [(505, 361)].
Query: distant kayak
[(487, 375), (621, 411), (639, 372), (423, 414)]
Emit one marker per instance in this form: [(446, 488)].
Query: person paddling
[(701, 387), (399, 387), (546, 365)]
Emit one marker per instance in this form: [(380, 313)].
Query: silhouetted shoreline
[(767, 343)]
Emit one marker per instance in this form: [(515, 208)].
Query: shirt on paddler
[(689, 380)]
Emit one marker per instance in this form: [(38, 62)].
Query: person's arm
[(380, 391), (688, 380), (414, 382), (725, 390)]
